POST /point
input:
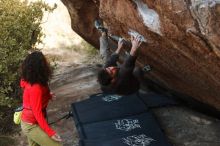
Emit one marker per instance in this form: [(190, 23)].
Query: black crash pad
[(121, 127), (153, 100), (102, 107), (129, 140)]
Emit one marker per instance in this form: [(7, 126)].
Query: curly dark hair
[(35, 69), (104, 78)]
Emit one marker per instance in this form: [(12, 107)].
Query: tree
[(20, 30)]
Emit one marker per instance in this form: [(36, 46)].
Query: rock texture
[(182, 36)]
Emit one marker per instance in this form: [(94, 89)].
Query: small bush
[(19, 31)]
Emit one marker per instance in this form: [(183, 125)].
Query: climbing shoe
[(99, 25)]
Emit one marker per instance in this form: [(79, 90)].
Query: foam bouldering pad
[(129, 140), (102, 107), (144, 123), (153, 100)]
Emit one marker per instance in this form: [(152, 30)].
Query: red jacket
[(35, 100)]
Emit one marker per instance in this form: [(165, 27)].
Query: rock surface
[(182, 47)]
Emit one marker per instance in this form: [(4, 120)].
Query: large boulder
[(183, 39)]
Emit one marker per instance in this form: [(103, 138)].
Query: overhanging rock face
[(183, 39)]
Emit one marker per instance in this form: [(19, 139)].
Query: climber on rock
[(121, 80)]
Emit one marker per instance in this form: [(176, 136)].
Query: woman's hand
[(53, 96), (56, 137)]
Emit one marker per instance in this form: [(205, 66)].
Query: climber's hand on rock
[(136, 42), (120, 46), (120, 43)]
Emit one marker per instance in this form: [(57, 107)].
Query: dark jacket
[(126, 82)]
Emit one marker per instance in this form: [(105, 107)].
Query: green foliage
[(19, 31)]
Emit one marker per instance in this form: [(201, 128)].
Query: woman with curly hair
[(36, 95)]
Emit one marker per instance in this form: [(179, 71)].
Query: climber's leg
[(104, 44), (104, 47)]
